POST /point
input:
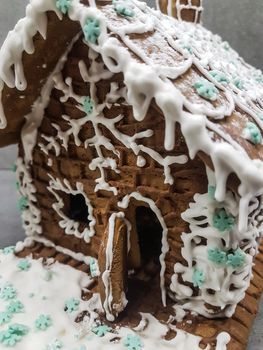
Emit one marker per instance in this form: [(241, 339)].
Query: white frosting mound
[(44, 290)]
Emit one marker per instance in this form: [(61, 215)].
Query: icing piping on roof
[(225, 158)]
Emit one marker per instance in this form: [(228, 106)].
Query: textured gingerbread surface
[(149, 181), (141, 296)]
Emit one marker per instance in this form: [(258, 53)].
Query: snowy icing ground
[(39, 303)]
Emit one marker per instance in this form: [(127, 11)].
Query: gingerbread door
[(113, 266)]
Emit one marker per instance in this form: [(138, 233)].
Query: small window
[(78, 209)]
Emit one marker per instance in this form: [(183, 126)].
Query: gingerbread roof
[(192, 76)]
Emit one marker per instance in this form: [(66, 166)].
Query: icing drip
[(222, 340), (70, 226), (18, 41), (209, 249), (141, 161), (124, 203)]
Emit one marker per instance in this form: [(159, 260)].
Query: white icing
[(95, 73), (222, 340), (51, 144), (42, 295), (29, 241), (31, 215), (70, 226), (34, 118), (141, 161), (219, 279)]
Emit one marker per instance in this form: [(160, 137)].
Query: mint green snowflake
[(217, 256), (15, 307), (5, 317), (123, 10), (17, 185), (55, 345), (253, 133), (9, 250), (71, 305), (91, 30), (8, 292), (88, 105), (211, 192), (198, 278), (219, 77), (43, 322), (63, 5), (23, 203), (133, 342), (239, 84), (206, 89), (94, 269), (186, 46), (24, 265), (261, 117), (236, 259), (13, 334), (223, 221), (259, 78), (101, 331)]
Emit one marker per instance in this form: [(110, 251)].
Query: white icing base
[(49, 297)]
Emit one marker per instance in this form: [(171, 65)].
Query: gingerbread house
[(140, 147)]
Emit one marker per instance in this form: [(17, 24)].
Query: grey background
[(238, 21)]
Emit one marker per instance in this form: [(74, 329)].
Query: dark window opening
[(78, 209), (149, 232)]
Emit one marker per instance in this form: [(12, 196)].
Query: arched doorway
[(149, 232), (132, 257)]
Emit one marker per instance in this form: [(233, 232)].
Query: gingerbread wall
[(73, 164)]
